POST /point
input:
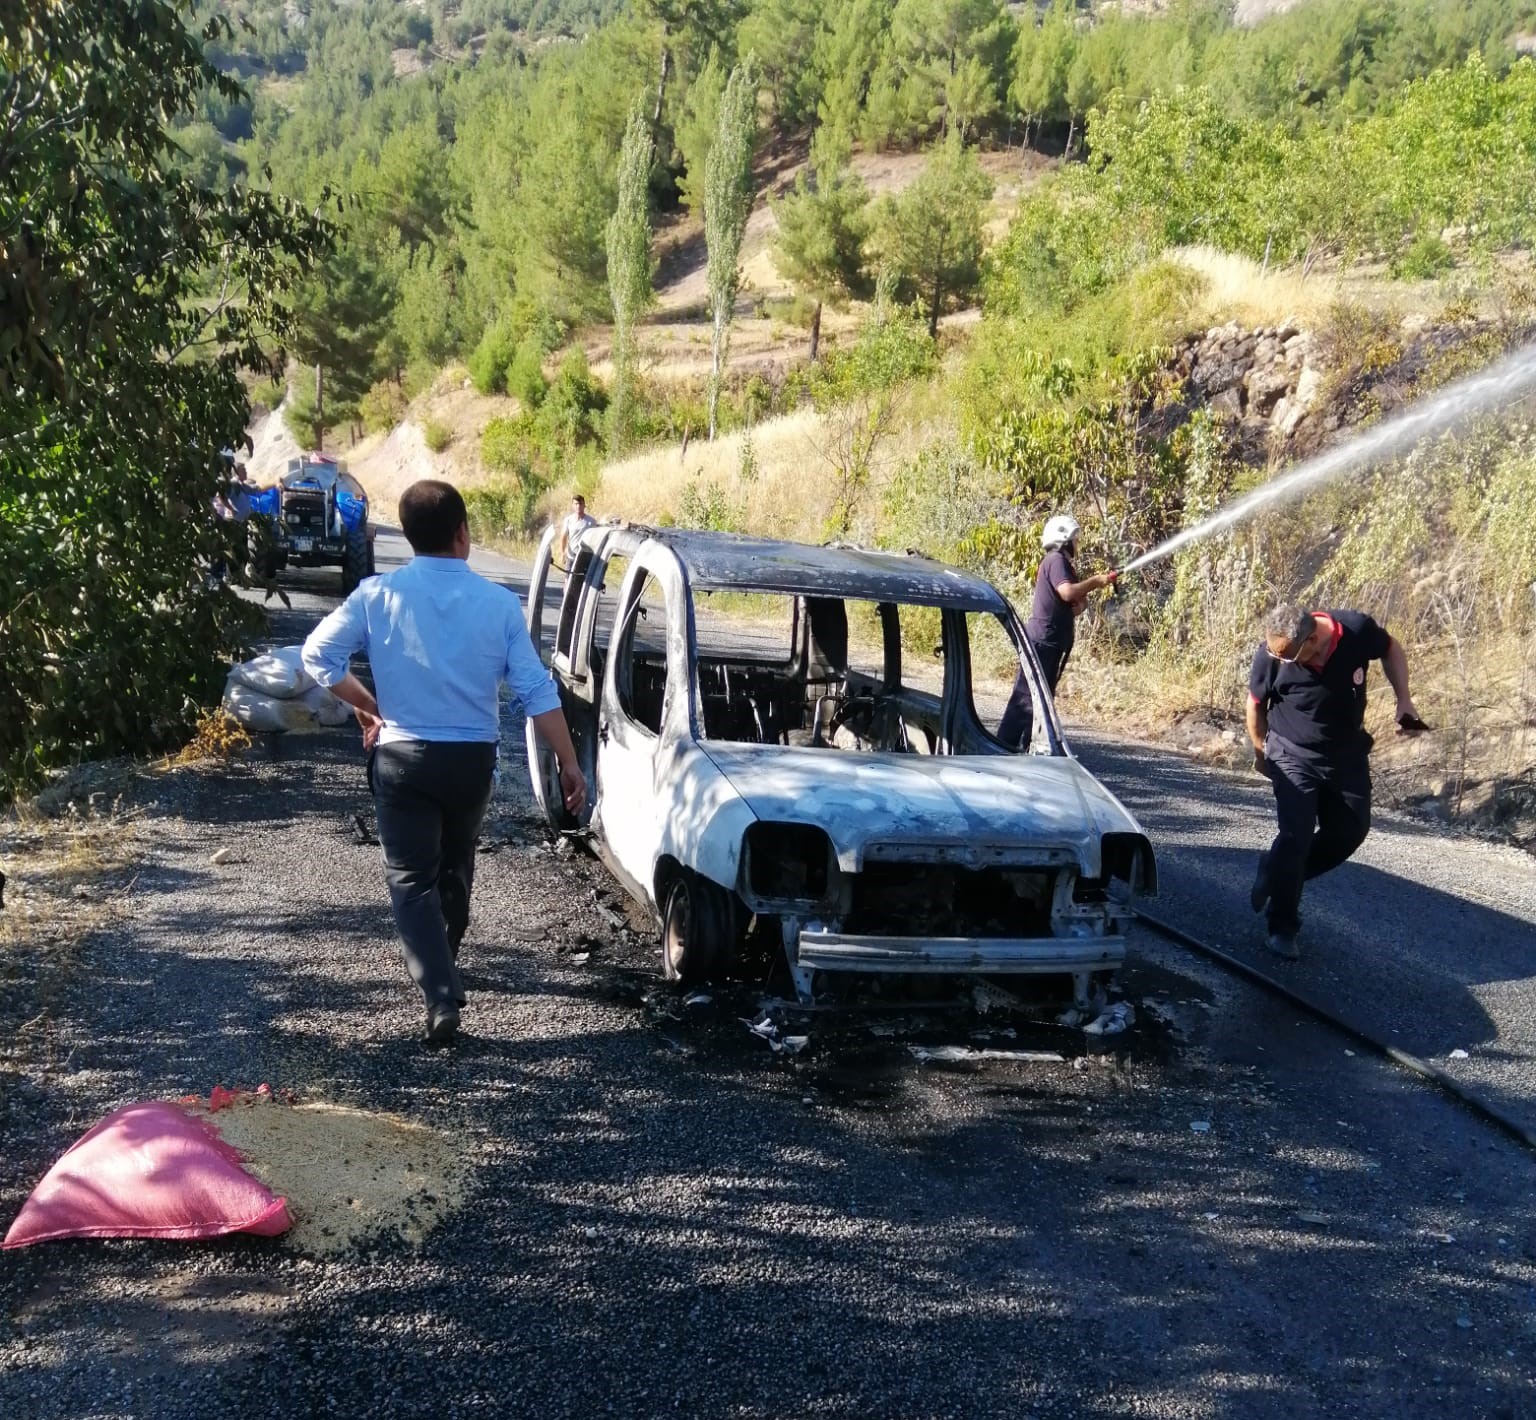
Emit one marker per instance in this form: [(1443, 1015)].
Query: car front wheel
[(697, 928)]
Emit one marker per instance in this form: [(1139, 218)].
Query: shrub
[(1425, 257), (1018, 364), (382, 407), (708, 507), (436, 435), (798, 310), (492, 357), (505, 444), (570, 415), (892, 349), (525, 380), (503, 509), (1356, 338)]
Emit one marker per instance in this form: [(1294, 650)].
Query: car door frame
[(633, 850)]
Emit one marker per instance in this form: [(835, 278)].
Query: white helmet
[(1059, 531)]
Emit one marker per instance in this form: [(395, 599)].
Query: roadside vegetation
[(131, 296)]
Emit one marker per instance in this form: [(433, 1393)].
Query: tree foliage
[(130, 296), (929, 236), (727, 204), (823, 225), (629, 259), (343, 324)]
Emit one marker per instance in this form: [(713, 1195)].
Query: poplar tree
[(629, 263), (727, 204)]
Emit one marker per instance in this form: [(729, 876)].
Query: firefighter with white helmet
[(1060, 598)]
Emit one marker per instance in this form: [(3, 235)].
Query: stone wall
[(1262, 382)]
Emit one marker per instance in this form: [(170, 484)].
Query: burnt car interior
[(790, 673), (818, 695), (794, 668)]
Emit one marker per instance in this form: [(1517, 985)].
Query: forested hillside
[(474, 145), (1100, 182), (922, 272)]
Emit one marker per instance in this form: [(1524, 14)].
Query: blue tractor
[(319, 516)]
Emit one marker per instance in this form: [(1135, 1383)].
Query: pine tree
[(342, 324), (695, 129), (930, 235), (1043, 57), (629, 262), (727, 203), (823, 224)]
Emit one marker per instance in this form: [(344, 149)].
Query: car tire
[(696, 929), (355, 560)]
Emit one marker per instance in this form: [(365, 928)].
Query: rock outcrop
[(1260, 381)]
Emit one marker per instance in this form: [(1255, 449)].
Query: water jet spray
[(1500, 384)]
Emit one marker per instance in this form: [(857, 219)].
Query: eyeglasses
[(1295, 655)]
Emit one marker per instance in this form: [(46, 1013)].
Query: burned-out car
[(787, 743)]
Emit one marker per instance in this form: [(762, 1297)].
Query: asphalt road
[(1229, 1213)]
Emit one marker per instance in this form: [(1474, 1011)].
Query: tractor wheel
[(356, 561), (697, 931)]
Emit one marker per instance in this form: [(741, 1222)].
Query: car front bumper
[(1019, 956)]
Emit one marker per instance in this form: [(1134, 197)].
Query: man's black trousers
[(1017, 727), (1324, 812), (430, 799)]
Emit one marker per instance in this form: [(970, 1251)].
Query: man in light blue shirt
[(440, 639)]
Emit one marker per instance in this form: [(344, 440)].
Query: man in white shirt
[(575, 524), (440, 639)]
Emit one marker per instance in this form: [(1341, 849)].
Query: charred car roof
[(719, 561)]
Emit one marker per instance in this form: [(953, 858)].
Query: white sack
[(278, 673), (328, 709), (266, 713), (315, 709)]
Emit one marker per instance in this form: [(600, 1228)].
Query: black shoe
[(1283, 944), (442, 1022), (1259, 896)]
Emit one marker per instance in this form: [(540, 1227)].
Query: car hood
[(973, 800)]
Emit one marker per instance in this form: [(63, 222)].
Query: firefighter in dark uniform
[(1052, 626), (1306, 718)]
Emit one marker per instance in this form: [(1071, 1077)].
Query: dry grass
[(1238, 288), (60, 878), (218, 738), (784, 499), (791, 497)]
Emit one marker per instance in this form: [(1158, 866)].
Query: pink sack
[(148, 1171)]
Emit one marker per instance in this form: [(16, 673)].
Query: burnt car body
[(790, 765), (319, 518)]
